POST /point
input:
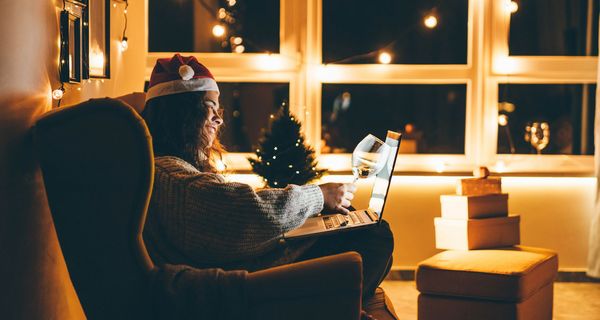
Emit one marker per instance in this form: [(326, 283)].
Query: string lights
[(123, 44), (57, 94)]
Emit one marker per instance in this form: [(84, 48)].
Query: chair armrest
[(323, 288)]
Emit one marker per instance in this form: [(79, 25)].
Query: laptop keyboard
[(335, 221)]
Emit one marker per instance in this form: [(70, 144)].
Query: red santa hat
[(179, 74)]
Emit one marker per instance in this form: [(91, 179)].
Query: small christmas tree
[(282, 158)]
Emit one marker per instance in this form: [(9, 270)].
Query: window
[(566, 110), (455, 68), (432, 117), (554, 28), (356, 32), (247, 109), (213, 26)]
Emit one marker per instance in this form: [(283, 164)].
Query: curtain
[(594, 246)]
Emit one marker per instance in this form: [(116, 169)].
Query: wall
[(35, 283), (555, 214)]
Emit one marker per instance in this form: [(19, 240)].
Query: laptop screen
[(383, 179)]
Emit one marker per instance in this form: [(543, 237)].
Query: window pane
[(432, 117), (568, 110), (554, 28), (187, 26), (354, 31), (247, 109)]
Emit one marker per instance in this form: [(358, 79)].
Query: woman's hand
[(337, 196)]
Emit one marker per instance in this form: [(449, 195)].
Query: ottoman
[(504, 283)]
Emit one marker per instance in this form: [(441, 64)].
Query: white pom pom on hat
[(179, 74), (186, 72)]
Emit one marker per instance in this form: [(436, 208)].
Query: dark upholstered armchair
[(97, 164)]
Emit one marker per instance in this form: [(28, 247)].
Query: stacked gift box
[(477, 216)]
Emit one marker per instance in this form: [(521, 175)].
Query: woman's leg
[(375, 245)]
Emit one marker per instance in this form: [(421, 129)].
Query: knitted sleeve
[(226, 220)]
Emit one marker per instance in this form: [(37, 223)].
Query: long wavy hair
[(176, 124)]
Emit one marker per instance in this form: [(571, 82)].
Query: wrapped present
[(454, 234), (474, 206), (481, 184)]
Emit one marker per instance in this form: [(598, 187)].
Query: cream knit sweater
[(199, 219)]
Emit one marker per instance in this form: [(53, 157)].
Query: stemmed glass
[(538, 135), (369, 157)]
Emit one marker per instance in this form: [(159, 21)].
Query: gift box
[(467, 234), (474, 206), (478, 186)]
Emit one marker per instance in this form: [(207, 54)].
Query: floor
[(572, 300)]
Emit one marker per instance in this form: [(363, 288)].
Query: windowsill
[(451, 165)]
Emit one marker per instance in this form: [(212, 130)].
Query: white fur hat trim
[(186, 72), (180, 86)]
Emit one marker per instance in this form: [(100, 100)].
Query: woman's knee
[(385, 235)]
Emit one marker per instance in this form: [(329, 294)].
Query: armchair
[(98, 168)]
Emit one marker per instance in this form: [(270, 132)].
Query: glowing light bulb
[(239, 49), (218, 30), (231, 3), (58, 94), (237, 40), (511, 6), (430, 21), (502, 120), (114, 5), (385, 58), (124, 44)]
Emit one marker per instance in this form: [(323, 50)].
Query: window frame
[(488, 64)]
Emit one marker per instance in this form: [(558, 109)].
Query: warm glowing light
[(237, 40), (218, 30), (96, 62), (114, 5), (385, 58), (502, 120), (440, 166), (220, 165), (430, 21), (500, 167), (231, 3), (222, 13), (124, 44), (511, 6), (239, 49), (506, 65), (58, 94), (270, 62)]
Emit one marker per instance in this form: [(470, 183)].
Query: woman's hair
[(176, 124)]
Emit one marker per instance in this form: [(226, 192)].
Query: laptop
[(332, 223)]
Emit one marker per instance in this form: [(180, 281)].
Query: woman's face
[(214, 116)]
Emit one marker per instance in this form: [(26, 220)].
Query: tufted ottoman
[(504, 283)]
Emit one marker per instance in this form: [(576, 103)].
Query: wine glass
[(539, 135), (369, 157)]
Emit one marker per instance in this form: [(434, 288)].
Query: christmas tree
[(282, 158)]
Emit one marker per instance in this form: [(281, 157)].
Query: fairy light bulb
[(511, 6), (385, 58), (502, 120), (124, 44), (58, 94), (218, 30), (430, 21), (239, 49)]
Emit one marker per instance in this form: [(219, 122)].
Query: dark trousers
[(374, 244)]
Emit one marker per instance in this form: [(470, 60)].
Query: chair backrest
[(98, 168)]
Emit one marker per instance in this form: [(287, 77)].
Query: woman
[(198, 218)]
